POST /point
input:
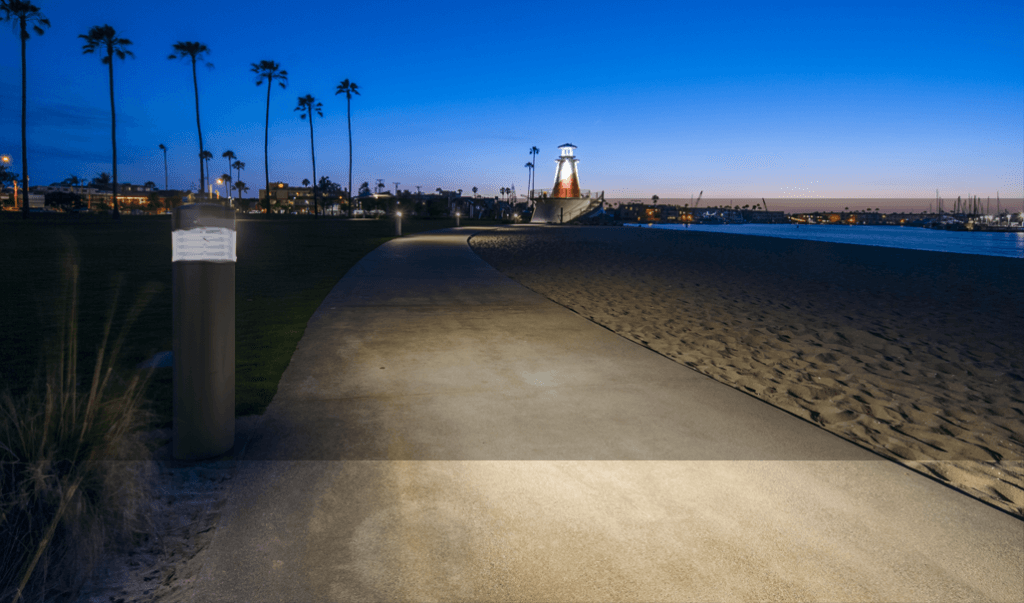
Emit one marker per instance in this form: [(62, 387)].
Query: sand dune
[(916, 355)]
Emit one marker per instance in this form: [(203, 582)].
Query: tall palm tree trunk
[(24, 138), (529, 176), (165, 170), (266, 139), (195, 86), (313, 151), (351, 197), (113, 134), (533, 187)]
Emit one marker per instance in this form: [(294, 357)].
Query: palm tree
[(349, 88), (230, 155), (529, 173), (195, 51), (239, 166), (534, 151), (164, 149), (475, 189), (226, 178), (104, 36), (101, 181), (205, 156), (309, 105), (26, 14), (268, 71)]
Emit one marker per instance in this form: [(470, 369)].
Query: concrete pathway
[(444, 434)]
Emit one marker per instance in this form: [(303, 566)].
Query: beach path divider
[(444, 433)]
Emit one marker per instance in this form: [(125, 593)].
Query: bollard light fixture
[(203, 257)]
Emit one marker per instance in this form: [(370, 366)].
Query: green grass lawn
[(286, 266)]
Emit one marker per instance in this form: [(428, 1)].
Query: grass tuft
[(73, 470)]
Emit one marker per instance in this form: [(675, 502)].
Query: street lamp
[(219, 182), (6, 159)]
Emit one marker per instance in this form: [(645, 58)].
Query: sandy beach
[(918, 356)]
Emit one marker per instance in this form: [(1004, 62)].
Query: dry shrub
[(73, 465)]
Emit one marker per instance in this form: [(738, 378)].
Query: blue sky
[(849, 99)]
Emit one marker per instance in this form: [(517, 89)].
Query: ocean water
[(1001, 244)]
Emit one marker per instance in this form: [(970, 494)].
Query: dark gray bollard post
[(203, 309)]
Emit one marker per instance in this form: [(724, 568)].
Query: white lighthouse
[(566, 201), (567, 175)]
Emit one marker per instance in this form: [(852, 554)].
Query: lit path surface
[(444, 434)]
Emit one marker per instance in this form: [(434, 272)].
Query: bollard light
[(203, 330), (457, 214), (398, 224)]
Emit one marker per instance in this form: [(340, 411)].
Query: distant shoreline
[(812, 204)]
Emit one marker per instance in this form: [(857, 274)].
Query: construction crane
[(698, 199), (764, 204)]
